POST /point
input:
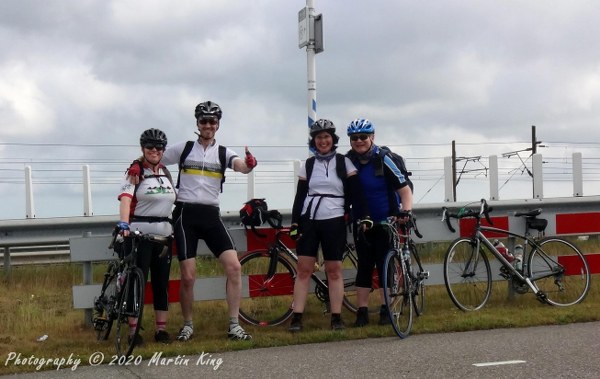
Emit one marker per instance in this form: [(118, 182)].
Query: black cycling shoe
[(362, 317), (337, 324), (137, 340), (384, 316), (295, 326), (162, 336)]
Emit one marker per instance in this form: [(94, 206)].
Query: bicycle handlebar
[(484, 210), (410, 224), (137, 234)]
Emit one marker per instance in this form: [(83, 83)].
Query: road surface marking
[(497, 363)]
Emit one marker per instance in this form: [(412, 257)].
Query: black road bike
[(271, 274), (122, 295), (403, 275)]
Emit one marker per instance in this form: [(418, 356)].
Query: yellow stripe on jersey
[(211, 174)]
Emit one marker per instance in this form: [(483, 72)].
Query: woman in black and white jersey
[(147, 207), (318, 218)]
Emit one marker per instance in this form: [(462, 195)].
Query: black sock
[(296, 317), (336, 316)]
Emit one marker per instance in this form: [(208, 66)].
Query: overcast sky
[(92, 74)]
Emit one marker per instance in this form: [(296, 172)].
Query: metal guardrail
[(46, 254), (34, 234)]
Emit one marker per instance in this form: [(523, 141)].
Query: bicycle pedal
[(423, 275), (100, 324), (541, 297)]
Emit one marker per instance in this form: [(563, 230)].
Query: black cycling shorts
[(197, 221), (330, 234)]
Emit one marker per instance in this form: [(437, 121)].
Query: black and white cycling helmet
[(153, 136), (322, 125), (208, 109)]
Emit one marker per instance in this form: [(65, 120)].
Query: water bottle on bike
[(518, 263), (503, 250)]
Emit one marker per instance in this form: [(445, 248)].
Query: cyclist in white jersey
[(318, 219), (197, 215), (146, 207)]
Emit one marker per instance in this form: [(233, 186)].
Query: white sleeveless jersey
[(200, 177)]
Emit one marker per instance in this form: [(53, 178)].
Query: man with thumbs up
[(197, 216)]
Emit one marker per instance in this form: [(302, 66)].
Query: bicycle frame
[(479, 237), (554, 269), (529, 245)]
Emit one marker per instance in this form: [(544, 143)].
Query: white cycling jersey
[(200, 177), (154, 198), (324, 180)]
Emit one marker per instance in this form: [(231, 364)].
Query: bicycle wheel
[(467, 275), (559, 270), (396, 289), (105, 303), (131, 305), (417, 279), (270, 288), (349, 266)]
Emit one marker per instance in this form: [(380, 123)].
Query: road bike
[(271, 274), (403, 274), (553, 268), (122, 294)]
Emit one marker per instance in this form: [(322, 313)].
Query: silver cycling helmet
[(208, 109)]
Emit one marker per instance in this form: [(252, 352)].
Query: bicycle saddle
[(529, 213)]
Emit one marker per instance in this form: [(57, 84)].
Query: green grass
[(37, 301)]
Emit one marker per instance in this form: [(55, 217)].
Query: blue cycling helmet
[(361, 125)]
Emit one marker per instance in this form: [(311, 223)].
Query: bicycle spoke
[(349, 265), (467, 275), (269, 298), (130, 310), (417, 278), (560, 271), (396, 288), (104, 305)]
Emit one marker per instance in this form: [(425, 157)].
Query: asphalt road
[(565, 351)]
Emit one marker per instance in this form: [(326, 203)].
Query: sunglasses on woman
[(357, 137), (157, 146)]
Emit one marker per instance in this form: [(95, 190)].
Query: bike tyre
[(133, 288), (575, 284), (418, 294), (396, 289), (349, 267), (467, 293), (105, 303), (269, 302)]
